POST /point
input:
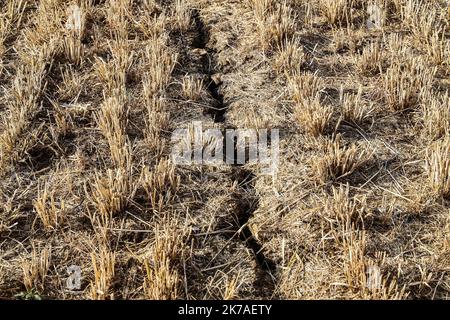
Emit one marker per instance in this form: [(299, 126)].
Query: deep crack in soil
[(247, 200)]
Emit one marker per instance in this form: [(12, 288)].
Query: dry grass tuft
[(354, 109), (160, 184), (109, 196), (438, 48), (156, 124), (435, 116), (364, 275), (404, 81), (23, 100), (313, 116), (103, 263), (342, 209), (304, 86), (118, 15), (35, 269), (370, 61), (162, 281), (110, 121), (289, 58), (276, 23), (192, 88), (159, 64), (182, 14), (335, 12), (50, 214), (421, 17)]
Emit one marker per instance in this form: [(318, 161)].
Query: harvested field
[(95, 206)]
